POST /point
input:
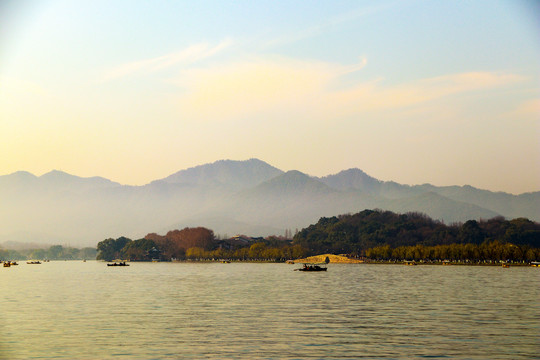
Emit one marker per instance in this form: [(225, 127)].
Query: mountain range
[(230, 197)]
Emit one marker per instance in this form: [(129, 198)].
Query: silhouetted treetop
[(374, 228)]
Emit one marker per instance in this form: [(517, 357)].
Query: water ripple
[(78, 310)]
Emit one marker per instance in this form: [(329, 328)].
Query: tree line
[(196, 244), (369, 229), (486, 252), (376, 234), (258, 251), (55, 252)]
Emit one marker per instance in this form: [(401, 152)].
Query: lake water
[(86, 310)]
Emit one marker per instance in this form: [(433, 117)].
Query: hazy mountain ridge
[(440, 207), (228, 173), (291, 183), (502, 203), (352, 179), (227, 196)]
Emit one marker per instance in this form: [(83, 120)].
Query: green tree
[(471, 232), (55, 252), (110, 249), (4, 255), (88, 253), (142, 249), (38, 254)]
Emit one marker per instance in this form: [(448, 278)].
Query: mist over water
[(86, 310)]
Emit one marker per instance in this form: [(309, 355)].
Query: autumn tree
[(175, 243)]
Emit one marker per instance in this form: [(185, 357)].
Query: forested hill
[(372, 228)]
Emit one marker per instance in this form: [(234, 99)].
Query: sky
[(412, 91)]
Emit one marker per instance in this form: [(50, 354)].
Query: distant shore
[(342, 259), (443, 263), (336, 259)]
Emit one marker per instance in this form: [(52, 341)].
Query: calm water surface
[(86, 310)]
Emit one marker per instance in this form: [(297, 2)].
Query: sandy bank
[(336, 259)]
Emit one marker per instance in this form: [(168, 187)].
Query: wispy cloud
[(187, 56), (262, 84), (280, 84), (317, 29), (529, 110), (379, 96), (448, 84), (10, 85)]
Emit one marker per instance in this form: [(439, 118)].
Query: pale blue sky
[(445, 92)]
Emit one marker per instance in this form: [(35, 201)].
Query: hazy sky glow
[(445, 92)]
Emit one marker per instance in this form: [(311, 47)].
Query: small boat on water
[(123, 263), (312, 267), (315, 267)]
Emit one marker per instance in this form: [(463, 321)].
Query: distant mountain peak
[(17, 178), (61, 177), (294, 181), (234, 174), (354, 171), (296, 173), (248, 161), (249, 194), (353, 178), (22, 173), (57, 173), (293, 174)]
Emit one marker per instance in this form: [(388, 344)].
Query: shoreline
[(340, 259)]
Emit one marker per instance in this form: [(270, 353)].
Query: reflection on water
[(247, 311)]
